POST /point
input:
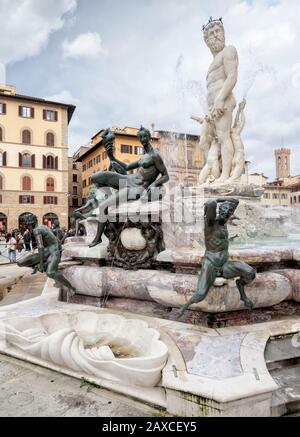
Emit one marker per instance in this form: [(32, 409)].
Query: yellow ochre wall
[(129, 139), (12, 174)]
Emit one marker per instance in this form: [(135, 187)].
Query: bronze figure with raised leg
[(216, 259)]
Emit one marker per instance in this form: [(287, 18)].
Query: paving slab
[(27, 390)]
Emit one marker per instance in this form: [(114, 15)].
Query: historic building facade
[(75, 180), (33, 159), (285, 190), (182, 155), (283, 163), (276, 194)]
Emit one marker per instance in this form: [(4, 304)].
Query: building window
[(75, 203), (74, 177), (50, 200), (49, 115), (2, 108), (26, 183), (50, 139), (2, 159), (275, 196), (138, 150), (84, 167), (1, 182), (50, 185), (26, 160), (104, 155), (74, 165), (50, 162), (267, 196), (126, 149), (84, 183), (26, 199), (1, 134), (75, 191), (26, 112), (295, 199), (283, 196), (298, 199), (26, 136), (0, 198), (90, 181)]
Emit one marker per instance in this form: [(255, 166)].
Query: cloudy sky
[(127, 62)]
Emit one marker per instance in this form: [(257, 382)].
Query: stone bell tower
[(283, 163)]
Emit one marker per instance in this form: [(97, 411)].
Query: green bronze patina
[(216, 259), (47, 258), (140, 184), (58, 231)]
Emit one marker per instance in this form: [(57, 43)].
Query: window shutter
[(4, 159), (32, 112), (33, 161), (20, 159), (1, 134), (56, 163), (55, 200), (31, 199), (20, 111), (44, 161), (4, 108), (44, 114), (20, 199), (44, 200), (55, 115)]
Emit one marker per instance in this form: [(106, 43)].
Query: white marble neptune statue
[(220, 142)]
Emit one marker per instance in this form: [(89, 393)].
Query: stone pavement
[(31, 391)]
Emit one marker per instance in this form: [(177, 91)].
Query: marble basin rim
[(103, 345)]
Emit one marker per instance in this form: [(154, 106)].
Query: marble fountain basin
[(101, 345)]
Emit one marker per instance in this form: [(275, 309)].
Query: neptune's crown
[(218, 20)]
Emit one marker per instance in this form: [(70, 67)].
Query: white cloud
[(64, 96), (143, 81), (27, 24), (87, 45)]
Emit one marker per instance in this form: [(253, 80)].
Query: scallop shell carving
[(102, 345)]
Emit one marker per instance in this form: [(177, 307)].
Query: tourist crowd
[(15, 242)]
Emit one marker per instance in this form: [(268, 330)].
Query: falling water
[(256, 68), (184, 91)]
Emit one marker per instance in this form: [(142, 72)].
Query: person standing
[(20, 242), (11, 245)]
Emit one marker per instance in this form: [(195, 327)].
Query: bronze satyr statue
[(58, 232), (140, 184), (216, 259), (47, 258)]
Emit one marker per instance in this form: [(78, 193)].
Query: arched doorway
[(27, 220), (49, 218), (3, 223)]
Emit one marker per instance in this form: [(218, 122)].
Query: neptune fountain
[(111, 317)]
